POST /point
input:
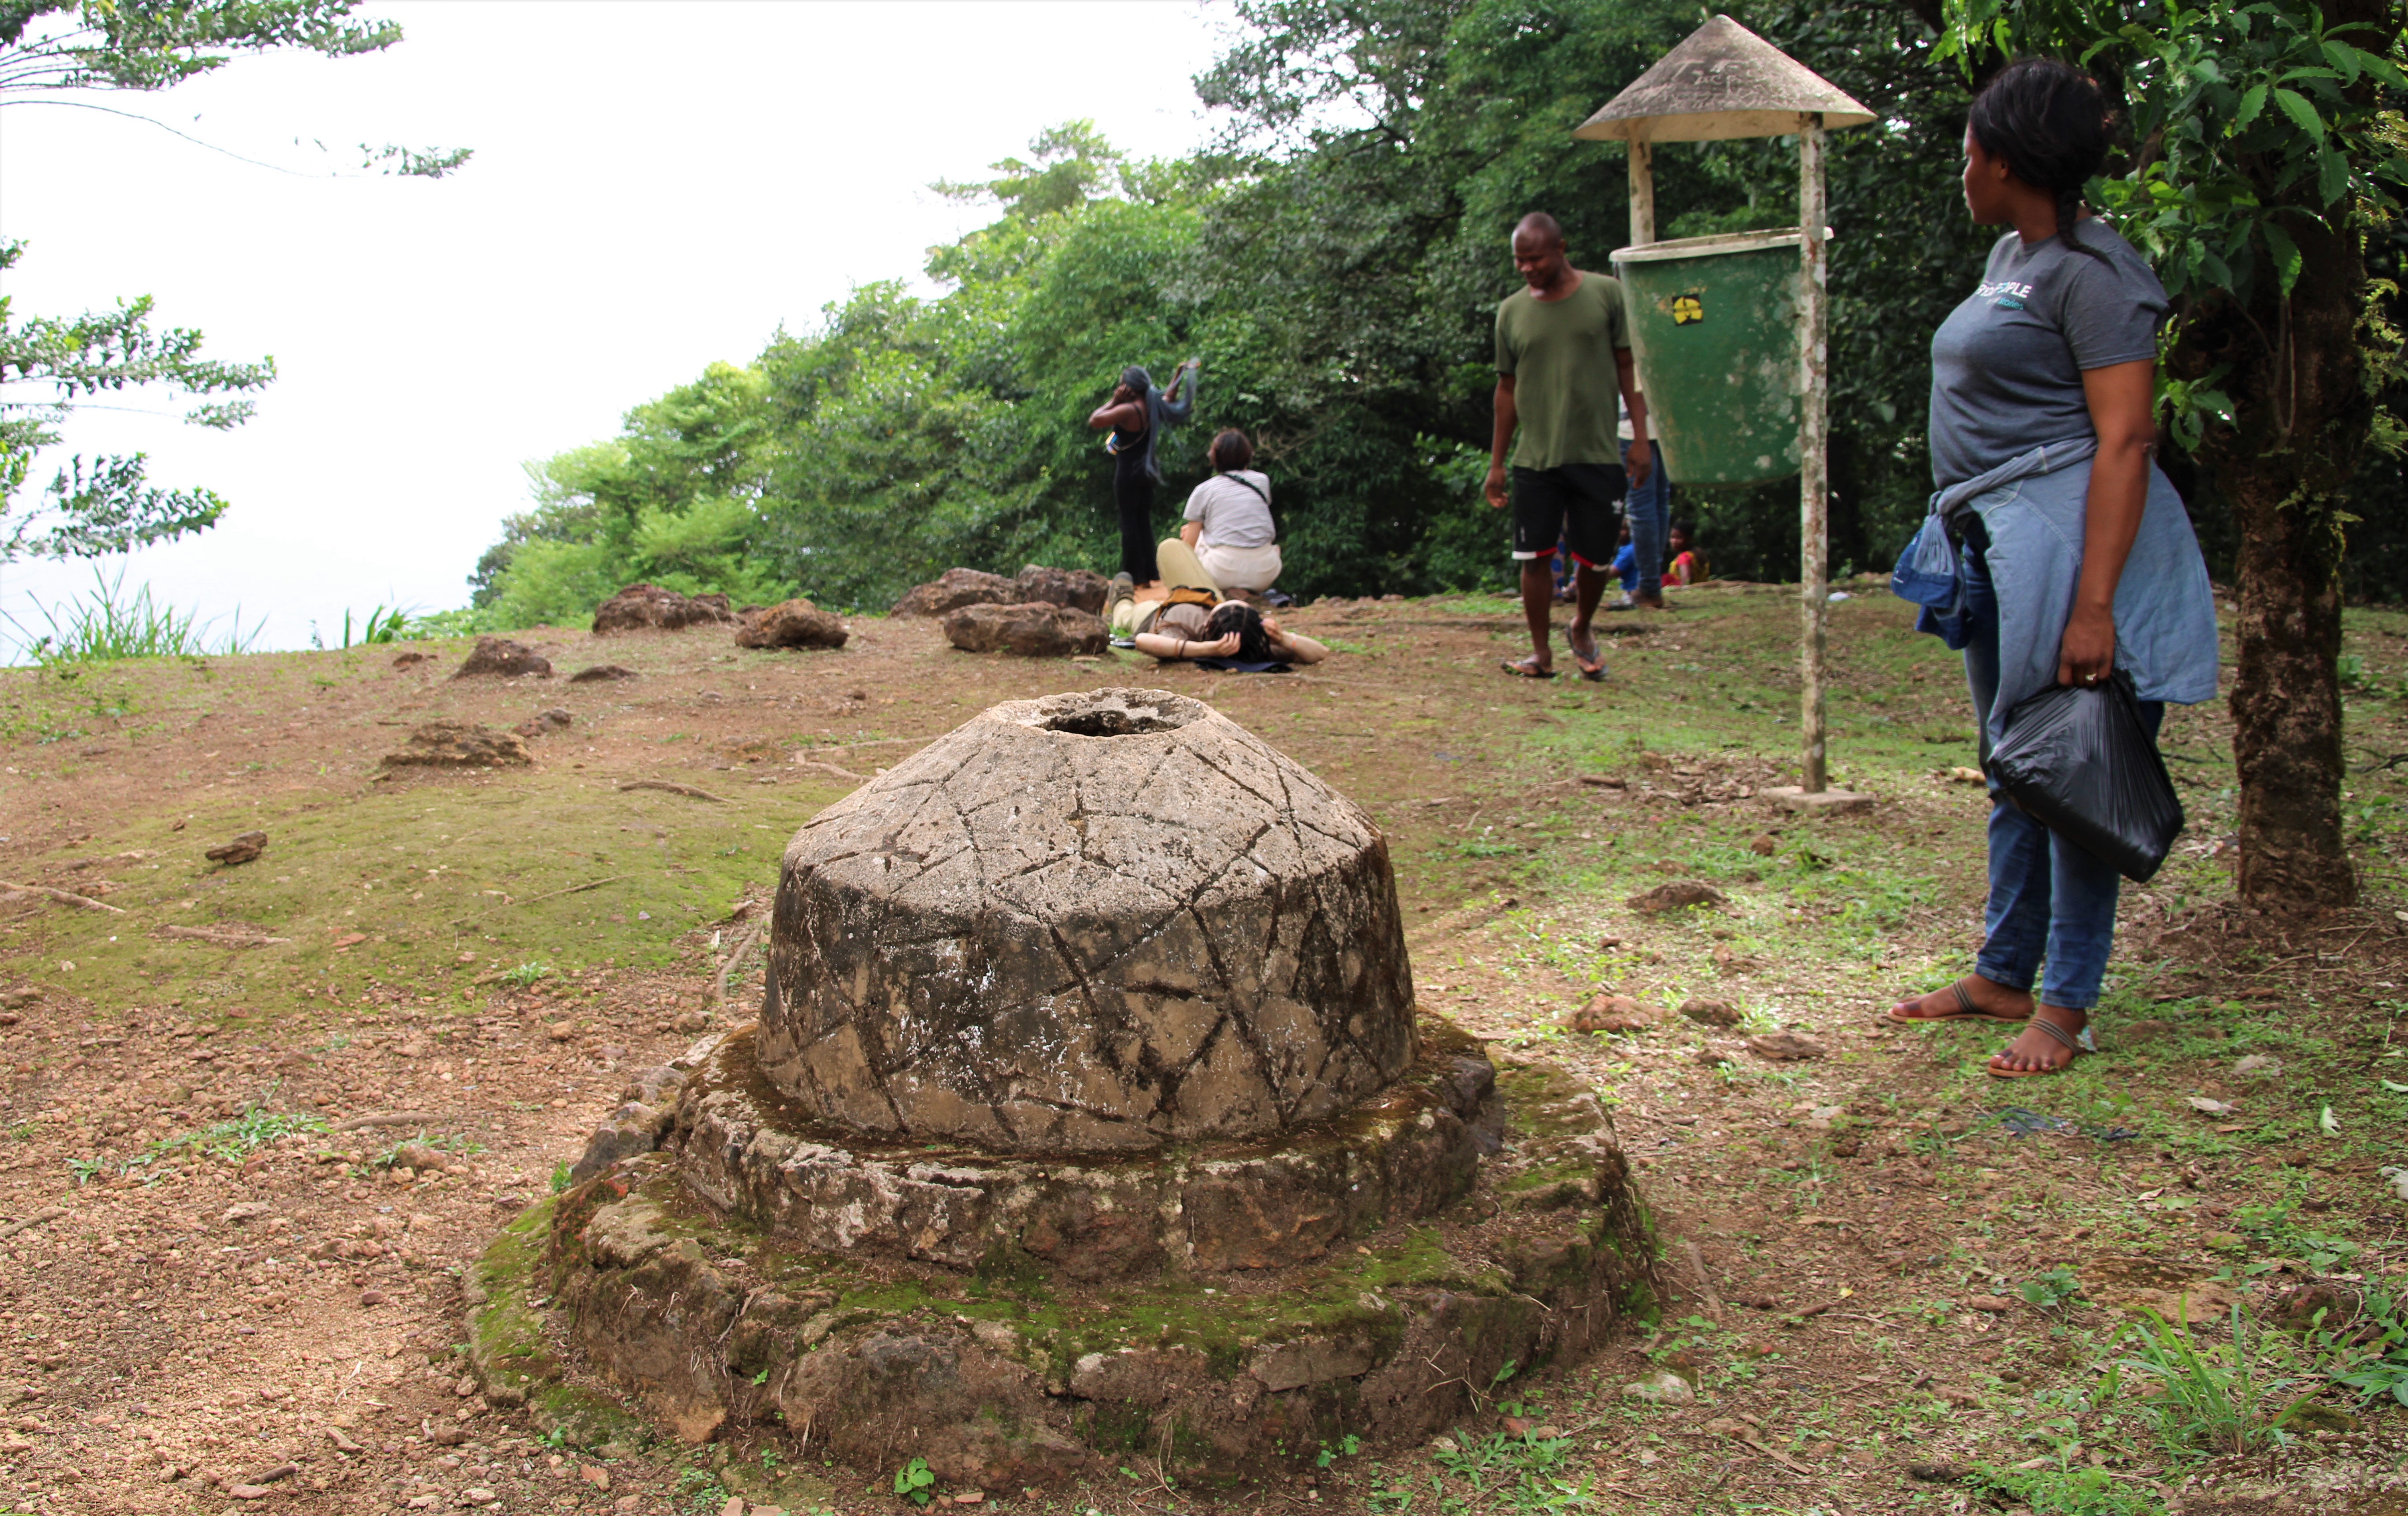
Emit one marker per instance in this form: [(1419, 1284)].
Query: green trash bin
[(1713, 327)]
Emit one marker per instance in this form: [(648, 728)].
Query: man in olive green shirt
[(1563, 350)]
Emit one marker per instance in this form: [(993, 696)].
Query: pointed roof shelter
[(1724, 81)]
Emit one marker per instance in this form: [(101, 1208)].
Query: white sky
[(655, 186)]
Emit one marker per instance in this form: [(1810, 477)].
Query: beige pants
[(1241, 568), (1181, 569)]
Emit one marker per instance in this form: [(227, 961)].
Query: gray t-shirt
[(2007, 364), (1233, 515)]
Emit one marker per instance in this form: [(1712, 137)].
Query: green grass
[(110, 624)]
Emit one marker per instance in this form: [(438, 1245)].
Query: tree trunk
[(2303, 417)]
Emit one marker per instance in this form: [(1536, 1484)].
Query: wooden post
[(1813, 447), (1643, 194)]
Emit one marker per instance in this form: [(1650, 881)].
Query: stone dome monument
[(1088, 1109), (1087, 923)]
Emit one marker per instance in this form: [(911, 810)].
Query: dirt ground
[(259, 1115)]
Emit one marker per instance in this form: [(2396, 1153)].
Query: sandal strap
[(1965, 1006), (2070, 1040)]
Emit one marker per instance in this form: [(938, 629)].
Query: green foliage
[(560, 1177), (2370, 1348), (110, 624), (2068, 1491), (916, 1481), (2051, 1290), (2208, 1396), (526, 974)]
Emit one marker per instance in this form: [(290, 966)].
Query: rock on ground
[(1786, 1046), (1674, 897), (460, 745), (1707, 1012), (601, 674), (242, 850), (501, 658), (1612, 1013), (790, 624), (958, 587), (543, 723), (952, 590), (649, 608), (1032, 630)]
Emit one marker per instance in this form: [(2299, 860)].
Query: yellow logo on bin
[(1687, 309)]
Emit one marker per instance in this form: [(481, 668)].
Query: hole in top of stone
[(1109, 722), (1102, 714)]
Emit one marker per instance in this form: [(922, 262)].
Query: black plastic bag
[(2079, 762)]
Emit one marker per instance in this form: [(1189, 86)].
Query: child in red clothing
[(1686, 567)]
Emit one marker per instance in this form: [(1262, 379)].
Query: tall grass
[(383, 626), (110, 624)]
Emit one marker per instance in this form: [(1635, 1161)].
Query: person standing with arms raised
[(1563, 350), (1137, 413)]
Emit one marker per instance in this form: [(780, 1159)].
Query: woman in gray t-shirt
[(2079, 559)]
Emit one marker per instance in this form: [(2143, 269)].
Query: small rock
[(243, 1210), (1711, 1013), (561, 1030), (1994, 1304), (1723, 1426), (1936, 1473), (242, 850), (1678, 895), (1786, 1046), (792, 624), (1611, 1013), (2207, 1108), (1081, 589), (1763, 844), (544, 723), (649, 608), (411, 660), (249, 1492), (478, 1496), (2260, 1065), (1662, 1388), (694, 1020), (416, 1155), (1713, 1057), (595, 1475), (498, 657), (460, 745), (600, 674), (734, 1506), (369, 1298), (957, 588), (1033, 630)]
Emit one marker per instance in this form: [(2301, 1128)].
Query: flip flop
[(1966, 1011), (2070, 1040), (1592, 662), (1526, 668)]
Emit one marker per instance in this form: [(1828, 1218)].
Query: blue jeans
[(2050, 901), (1647, 509)]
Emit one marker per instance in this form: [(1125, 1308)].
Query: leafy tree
[(54, 48), (2265, 151)]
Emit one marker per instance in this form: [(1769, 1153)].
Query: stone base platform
[(1020, 1322)]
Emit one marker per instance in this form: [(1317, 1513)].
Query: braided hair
[(2049, 122)]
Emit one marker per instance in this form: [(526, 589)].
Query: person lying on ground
[(1233, 635), (1230, 523), (2042, 432), (1687, 566), (1557, 339)]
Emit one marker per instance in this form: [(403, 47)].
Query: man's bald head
[(1544, 228)]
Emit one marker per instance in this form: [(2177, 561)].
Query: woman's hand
[(1223, 645), (2087, 654)]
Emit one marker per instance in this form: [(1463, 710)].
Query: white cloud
[(655, 186)]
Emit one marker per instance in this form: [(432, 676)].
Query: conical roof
[(1724, 81)]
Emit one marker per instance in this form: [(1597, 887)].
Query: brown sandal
[(2071, 1041), (1966, 1011)]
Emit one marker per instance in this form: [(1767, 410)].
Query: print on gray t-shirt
[(2007, 364)]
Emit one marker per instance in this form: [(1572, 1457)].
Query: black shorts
[(1580, 502)]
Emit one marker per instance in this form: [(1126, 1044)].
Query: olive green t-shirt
[(1565, 389)]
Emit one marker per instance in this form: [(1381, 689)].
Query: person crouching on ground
[(2077, 561), (1229, 519), (1687, 566), (1563, 347), (1232, 635)]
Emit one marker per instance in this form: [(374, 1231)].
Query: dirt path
[(214, 1273)]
